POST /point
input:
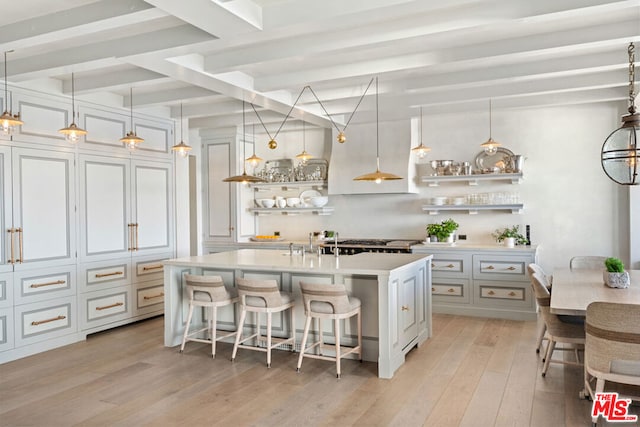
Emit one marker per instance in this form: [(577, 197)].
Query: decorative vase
[(450, 238), (510, 242), (616, 280)]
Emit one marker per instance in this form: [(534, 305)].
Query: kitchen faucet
[(335, 243), (311, 242)]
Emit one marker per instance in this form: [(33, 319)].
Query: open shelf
[(473, 209), (292, 211), (434, 181), (285, 186)]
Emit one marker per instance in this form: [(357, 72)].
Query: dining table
[(573, 290)]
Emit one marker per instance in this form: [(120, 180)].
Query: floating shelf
[(292, 211), (434, 181), (473, 209), (284, 186)]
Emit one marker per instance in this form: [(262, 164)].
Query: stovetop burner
[(356, 246), (364, 242)]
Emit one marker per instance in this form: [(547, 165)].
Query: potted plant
[(615, 276), (443, 231), (510, 236)]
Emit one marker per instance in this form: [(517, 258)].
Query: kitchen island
[(393, 288)]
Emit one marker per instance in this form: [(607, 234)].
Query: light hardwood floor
[(473, 372)]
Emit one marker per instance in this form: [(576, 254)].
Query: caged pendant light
[(8, 120), (244, 178), (181, 149), (377, 176), (490, 146), (620, 152), (131, 140), (73, 133), (421, 150)]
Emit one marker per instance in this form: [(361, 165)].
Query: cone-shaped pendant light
[(377, 176), (421, 150), (304, 156), (182, 149), (131, 140), (254, 160), (490, 146), (8, 120), (244, 178), (73, 133)]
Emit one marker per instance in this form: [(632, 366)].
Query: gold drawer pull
[(405, 308), (433, 289), (115, 273), (152, 267), (160, 295), (433, 265), (450, 266), (118, 304), (512, 294), (40, 285), (40, 322), (451, 290), (491, 293), (511, 268), (491, 267)]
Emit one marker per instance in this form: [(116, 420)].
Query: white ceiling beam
[(271, 120), (167, 96), (112, 80)]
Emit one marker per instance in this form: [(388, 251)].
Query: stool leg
[(213, 328), (305, 334), (293, 329), (186, 327), (268, 339), (243, 315), (337, 335), (320, 342), (360, 334)]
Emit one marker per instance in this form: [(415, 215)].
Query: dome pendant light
[(254, 160), (490, 146), (304, 156), (8, 120), (181, 149), (73, 133), (131, 140), (377, 176), (620, 153), (421, 150), (244, 178)]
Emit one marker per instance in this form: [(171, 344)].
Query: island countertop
[(280, 260)]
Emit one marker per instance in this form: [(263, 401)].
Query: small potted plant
[(510, 236), (615, 276), (443, 231)]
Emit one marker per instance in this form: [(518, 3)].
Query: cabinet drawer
[(44, 320), (451, 290), (105, 306), (451, 265), (495, 267), (6, 329), (503, 295), (448, 291), (104, 275), (6, 290), (40, 285), (150, 299), (149, 268)]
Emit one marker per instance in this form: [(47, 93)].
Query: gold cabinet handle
[(11, 231), (130, 225), (450, 266), (512, 294), (135, 248), (405, 308), (433, 289), (21, 260), (491, 293), (491, 267), (451, 290), (160, 295), (433, 265), (41, 285), (511, 268), (118, 304), (53, 319), (152, 267), (115, 273)]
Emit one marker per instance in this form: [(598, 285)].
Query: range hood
[(357, 156)]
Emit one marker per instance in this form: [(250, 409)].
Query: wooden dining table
[(573, 290)]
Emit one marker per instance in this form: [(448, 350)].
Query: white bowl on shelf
[(293, 202), (319, 201), (267, 203)]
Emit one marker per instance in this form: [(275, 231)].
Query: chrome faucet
[(335, 244), (311, 242)]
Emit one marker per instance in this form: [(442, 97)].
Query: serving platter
[(487, 161), (306, 195)]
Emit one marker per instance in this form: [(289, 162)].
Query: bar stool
[(210, 292), (323, 301), (262, 296)]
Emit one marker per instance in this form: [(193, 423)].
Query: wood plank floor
[(473, 372)]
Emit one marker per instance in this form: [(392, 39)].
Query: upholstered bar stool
[(323, 301), (262, 296), (209, 292)]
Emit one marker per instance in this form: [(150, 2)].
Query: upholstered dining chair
[(536, 269), (587, 263)]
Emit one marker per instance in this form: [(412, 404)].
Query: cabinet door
[(5, 210), (409, 312), (44, 207), (104, 208), (220, 200), (152, 207)]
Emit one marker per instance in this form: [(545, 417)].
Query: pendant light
[(254, 160), (490, 146), (8, 120), (181, 149), (131, 140), (377, 176), (73, 133), (620, 152), (244, 178), (421, 150), (304, 156)]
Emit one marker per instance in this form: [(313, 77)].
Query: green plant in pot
[(510, 235), (443, 231), (615, 276)]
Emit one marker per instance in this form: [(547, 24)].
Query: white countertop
[(458, 246), (280, 260)]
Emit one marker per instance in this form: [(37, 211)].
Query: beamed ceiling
[(446, 56)]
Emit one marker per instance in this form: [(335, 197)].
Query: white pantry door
[(5, 211)]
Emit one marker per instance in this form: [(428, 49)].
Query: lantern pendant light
[(377, 176), (304, 156), (8, 120), (244, 178), (490, 146), (73, 133), (254, 160), (620, 152), (131, 140), (421, 150), (181, 149)]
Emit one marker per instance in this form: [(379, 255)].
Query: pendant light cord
[(244, 163), (6, 100), (632, 94), (181, 119), (73, 100), (489, 118), (377, 137), (131, 106), (421, 125), (352, 113)]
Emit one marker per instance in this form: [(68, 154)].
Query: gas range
[(356, 246)]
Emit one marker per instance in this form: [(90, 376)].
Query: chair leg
[(268, 339), (360, 333), (307, 324), (320, 342), (243, 315), (186, 328), (337, 335), (543, 330), (550, 347), (599, 389), (213, 322)]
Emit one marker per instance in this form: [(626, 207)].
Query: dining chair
[(557, 330), (587, 263), (536, 269), (612, 347)]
